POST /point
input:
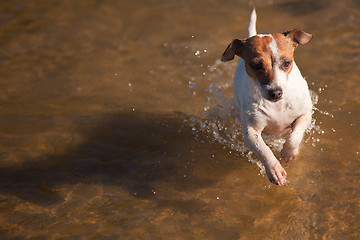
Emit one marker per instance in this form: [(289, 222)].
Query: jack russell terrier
[(272, 95)]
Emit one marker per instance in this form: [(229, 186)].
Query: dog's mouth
[(272, 99)]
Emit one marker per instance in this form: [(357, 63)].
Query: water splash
[(220, 119)]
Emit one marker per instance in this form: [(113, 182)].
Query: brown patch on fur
[(257, 53), (286, 50), (298, 36), (259, 59)]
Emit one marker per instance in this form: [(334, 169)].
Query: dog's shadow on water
[(131, 150)]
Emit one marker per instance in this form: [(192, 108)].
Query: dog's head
[(268, 59)]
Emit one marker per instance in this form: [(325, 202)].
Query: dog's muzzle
[(275, 94)]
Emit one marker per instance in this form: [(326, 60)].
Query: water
[(117, 122)]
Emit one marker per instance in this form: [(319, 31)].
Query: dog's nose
[(275, 94)]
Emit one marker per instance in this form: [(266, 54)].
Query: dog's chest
[(280, 115)]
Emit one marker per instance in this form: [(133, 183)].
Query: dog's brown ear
[(298, 36), (234, 48)]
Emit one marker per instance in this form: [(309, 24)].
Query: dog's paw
[(276, 173), (288, 153)]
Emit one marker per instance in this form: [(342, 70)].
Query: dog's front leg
[(293, 140), (275, 172)]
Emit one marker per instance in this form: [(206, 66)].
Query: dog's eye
[(257, 66), (286, 64)]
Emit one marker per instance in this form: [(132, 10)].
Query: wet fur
[(272, 95)]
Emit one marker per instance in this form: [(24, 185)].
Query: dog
[(272, 96)]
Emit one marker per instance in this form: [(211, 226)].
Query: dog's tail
[(252, 24)]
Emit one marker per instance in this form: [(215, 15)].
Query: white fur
[(258, 115), (252, 24)]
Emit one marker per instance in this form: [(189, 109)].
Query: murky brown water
[(116, 123)]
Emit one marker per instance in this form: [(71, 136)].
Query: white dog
[(272, 95)]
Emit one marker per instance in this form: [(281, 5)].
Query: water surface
[(117, 122)]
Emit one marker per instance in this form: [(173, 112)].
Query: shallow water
[(117, 122)]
